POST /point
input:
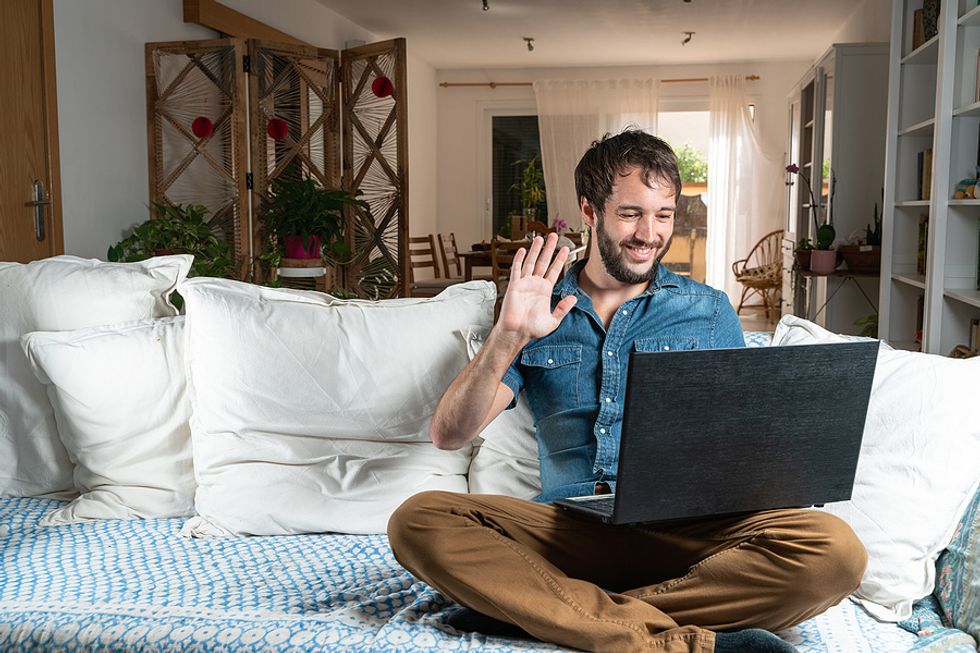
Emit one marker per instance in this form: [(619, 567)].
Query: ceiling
[(452, 34)]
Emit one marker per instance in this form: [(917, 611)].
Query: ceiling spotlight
[(530, 43), (687, 38), (486, 5)]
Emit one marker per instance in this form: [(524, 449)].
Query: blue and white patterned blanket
[(138, 586)]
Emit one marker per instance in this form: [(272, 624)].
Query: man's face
[(635, 230)]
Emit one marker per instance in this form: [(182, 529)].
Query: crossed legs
[(586, 585)]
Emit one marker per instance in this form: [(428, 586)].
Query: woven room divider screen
[(228, 116)]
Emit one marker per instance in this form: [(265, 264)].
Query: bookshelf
[(837, 117), (933, 104)]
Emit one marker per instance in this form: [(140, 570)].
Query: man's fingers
[(546, 253), (557, 265), (515, 266), (565, 305), (532, 256)]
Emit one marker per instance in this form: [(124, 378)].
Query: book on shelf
[(922, 245), (926, 175), (920, 307), (976, 97), (978, 253), (930, 18), (975, 335), (918, 29)]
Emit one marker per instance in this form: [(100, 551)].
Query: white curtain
[(744, 184), (572, 114)]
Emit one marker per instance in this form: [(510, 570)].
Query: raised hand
[(526, 309)]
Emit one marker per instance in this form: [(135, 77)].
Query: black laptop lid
[(709, 432)]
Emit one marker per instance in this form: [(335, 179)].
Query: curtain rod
[(748, 78)]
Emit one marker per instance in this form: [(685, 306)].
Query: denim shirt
[(575, 377)]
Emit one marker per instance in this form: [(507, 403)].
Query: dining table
[(479, 257)]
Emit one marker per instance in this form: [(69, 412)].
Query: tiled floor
[(756, 320)]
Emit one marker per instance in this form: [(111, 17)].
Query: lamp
[(687, 39), (529, 40)]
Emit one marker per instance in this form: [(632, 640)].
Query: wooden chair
[(501, 260), (761, 272), (450, 256), (422, 254)]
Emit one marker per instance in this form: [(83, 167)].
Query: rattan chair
[(761, 273)]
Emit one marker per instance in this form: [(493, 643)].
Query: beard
[(614, 260)]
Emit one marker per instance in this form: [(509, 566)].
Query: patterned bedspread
[(138, 586)]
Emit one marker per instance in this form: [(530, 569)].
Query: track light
[(687, 39), (486, 5), (530, 43)]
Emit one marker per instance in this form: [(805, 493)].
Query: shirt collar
[(569, 283)]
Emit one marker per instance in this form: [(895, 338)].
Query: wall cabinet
[(837, 137), (929, 294)]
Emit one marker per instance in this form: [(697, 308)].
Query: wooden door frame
[(57, 235)]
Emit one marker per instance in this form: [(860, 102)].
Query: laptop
[(716, 432)]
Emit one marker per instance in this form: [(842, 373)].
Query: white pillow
[(120, 400), (505, 458), (61, 294), (918, 468), (311, 414)]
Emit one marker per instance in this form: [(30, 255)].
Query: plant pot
[(823, 261), (862, 259), (295, 248), (803, 258)]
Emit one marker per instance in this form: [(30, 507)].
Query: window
[(687, 133), (515, 145)]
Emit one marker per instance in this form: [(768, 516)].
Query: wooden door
[(30, 188)]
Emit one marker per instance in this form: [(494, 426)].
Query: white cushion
[(120, 400), (310, 413), (505, 458), (918, 468), (61, 294)]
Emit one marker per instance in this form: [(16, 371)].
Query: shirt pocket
[(552, 374), (665, 344)]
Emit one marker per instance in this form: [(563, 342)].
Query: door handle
[(41, 199)]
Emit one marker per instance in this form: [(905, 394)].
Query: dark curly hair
[(615, 155)]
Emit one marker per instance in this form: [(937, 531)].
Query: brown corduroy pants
[(596, 587)]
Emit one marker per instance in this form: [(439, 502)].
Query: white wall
[(870, 23), (462, 150), (102, 103), (422, 130)]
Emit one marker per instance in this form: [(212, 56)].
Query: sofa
[(221, 479)]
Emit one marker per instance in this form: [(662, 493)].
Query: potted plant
[(530, 186), (823, 258), (177, 229), (301, 220), (865, 258)]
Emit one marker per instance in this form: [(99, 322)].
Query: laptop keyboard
[(602, 504)]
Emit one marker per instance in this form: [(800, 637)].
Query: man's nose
[(646, 229)]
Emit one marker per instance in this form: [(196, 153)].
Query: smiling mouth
[(639, 251)]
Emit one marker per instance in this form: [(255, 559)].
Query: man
[(691, 587)]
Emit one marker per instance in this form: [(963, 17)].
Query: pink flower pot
[(294, 247), (823, 261)]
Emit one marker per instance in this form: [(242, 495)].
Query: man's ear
[(588, 213)]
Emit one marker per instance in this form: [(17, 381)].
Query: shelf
[(925, 54), (965, 295), (914, 280), (964, 202), (913, 203), (971, 17), (919, 128), (904, 345), (969, 110)]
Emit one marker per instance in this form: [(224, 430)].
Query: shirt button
[(608, 400), (666, 347), (602, 430), (625, 312), (609, 353), (551, 361)]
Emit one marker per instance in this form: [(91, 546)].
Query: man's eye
[(663, 217), (629, 216)]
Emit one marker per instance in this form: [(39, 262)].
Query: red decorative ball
[(382, 87), (277, 129), (202, 127)]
